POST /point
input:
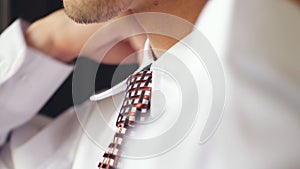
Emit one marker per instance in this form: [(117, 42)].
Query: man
[(245, 139)]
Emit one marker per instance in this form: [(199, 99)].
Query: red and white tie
[(135, 108)]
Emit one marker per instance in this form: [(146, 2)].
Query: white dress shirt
[(259, 129), (27, 79)]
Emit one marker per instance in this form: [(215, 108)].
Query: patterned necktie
[(135, 108)]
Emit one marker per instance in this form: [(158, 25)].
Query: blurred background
[(29, 10)]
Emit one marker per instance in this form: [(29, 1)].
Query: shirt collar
[(148, 58)]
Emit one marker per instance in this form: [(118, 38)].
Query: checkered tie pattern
[(135, 109)]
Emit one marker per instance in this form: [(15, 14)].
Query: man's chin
[(77, 13), (94, 12), (81, 19)]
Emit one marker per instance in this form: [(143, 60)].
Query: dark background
[(31, 10)]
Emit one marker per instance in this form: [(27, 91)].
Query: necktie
[(135, 109)]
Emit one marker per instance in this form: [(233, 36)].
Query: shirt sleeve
[(28, 78)]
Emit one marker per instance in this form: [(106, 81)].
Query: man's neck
[(186, 9)]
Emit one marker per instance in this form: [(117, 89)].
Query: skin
[(95, 11), (189, 10), (61, 38), (296, 1), (61, 44)]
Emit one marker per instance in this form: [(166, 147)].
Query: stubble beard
[(95, 11)]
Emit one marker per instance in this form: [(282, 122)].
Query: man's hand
[(61, 38), (58, 36)]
